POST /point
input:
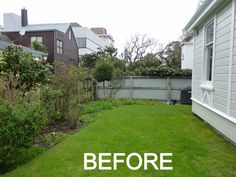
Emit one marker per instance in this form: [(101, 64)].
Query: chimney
[(24, 17)]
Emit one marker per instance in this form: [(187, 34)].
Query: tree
[(104, 71), (39, 46), (149, 61), (109, 52), (137, 47), (88, 61), (171, 55)]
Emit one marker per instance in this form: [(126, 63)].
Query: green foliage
[(49, 98), (96, 106), (27, 71), (171, 55), (89, 61), (104, 71), (39, 46), (90, 110), (67, 81), (53, 138), (56, 115), (20, 126), (149, 61), (162, 71)]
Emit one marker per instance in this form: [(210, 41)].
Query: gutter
[(197, 14), (204, 12)]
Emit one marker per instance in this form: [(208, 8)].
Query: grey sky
[(161, 19)]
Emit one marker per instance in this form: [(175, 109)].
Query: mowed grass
[(197, 149)]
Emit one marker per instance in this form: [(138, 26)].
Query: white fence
[(155, 88)]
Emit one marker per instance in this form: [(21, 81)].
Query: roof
[(4, 38), (35, 53), (207, 7), (42, 27)]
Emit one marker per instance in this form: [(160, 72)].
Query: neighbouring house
[(212, 28), (58, 38), (5, 42), (102, 33), (187, 54), (87, 40)]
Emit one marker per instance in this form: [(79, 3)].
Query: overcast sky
[(160, 19)]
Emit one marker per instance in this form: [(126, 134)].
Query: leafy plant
[(68, 80), (20, 126), (39, 46), (23, 69), (104, 71)]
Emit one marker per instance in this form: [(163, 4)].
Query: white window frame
[(59, 47), (36, 38), (209, 85)]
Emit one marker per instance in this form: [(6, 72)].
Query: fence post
[(131, 87), (168, 90)]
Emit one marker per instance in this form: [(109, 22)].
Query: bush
[(23, 69), (162, 71), (20, 126), (68, 81), (104, 71), (39, 46), (49, 98)]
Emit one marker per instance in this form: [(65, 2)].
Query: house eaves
[(202, 13)]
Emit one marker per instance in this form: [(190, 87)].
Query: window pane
[(210, 33), (209, 62), (70, 35), (81, 42), (33, 38), (40, 39)]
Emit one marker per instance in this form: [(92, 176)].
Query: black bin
[(186, 95)]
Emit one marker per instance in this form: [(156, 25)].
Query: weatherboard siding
[(222, 58), (233, 77), (197, 65)]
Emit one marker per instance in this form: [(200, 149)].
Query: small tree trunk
[(104, 92)]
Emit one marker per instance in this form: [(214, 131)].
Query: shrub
[(67, 79), (20, 126), (162, 71), (39, 46), (49, 98), (22, 68), (104, 71)]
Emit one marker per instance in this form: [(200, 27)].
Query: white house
[(187, 54), (212, 28), (87, 40)]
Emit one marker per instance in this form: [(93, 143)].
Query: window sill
[(207, 87)]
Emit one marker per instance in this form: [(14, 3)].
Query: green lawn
[(197, 149)]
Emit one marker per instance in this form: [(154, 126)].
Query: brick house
[(58, 38)]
